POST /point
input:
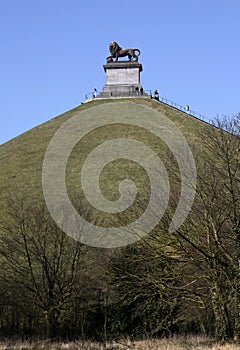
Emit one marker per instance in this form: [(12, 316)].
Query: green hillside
[(21, 158)]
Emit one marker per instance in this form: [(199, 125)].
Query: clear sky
[(52, 53)]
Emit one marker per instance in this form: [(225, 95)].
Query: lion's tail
[(137, 51)]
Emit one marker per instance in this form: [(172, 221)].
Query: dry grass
[(185, 343), (175, 343)]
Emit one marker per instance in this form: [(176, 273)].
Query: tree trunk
[(223, 326), (237, 316)]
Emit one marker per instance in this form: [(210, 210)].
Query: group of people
[(155, 95), (139, 90)]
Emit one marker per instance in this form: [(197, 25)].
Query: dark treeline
[(186, 282)]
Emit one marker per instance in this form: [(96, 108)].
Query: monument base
[(122, 80)]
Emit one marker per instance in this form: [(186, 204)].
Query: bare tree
[(210, 236), (41, 260)]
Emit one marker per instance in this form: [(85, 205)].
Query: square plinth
[(126, 73), (122, 78)]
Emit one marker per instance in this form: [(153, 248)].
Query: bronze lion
[(116, 52)]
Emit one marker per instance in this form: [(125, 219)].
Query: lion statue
[(116, 52)]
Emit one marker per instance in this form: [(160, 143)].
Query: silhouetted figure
[(156, 95), (94, 94)]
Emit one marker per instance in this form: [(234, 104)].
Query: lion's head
[(114, 47)]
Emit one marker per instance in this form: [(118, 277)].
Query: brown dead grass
[(175, 343), (185, 343)]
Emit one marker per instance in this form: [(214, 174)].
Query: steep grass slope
[(21, 158)]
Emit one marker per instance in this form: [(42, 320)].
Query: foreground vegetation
[(175, 343), (187, 282)]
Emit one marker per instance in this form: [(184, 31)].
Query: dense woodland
[(186, 282)]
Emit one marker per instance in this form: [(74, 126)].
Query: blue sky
[(52, 53)]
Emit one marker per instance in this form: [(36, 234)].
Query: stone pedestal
[(122, 79)]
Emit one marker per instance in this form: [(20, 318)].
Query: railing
[(181, 108), (161, 99)]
